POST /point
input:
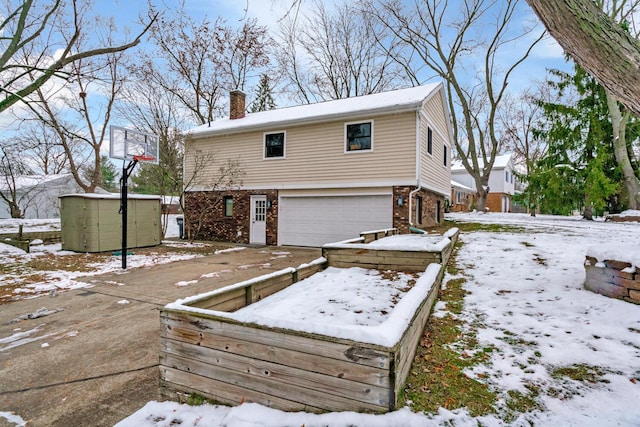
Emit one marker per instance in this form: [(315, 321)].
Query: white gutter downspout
[(418, 166)]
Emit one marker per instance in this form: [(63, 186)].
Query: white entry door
[(258, 233)]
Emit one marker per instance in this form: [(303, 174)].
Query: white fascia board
[(315, 186), (303, 121)]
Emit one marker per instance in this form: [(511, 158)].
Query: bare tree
[(80, 111), (243, 51), (338, 54), (13, 168), (152, 109), (200, 61), (520, 118), (30, 26), (41, 148), (446, 40), (203, 186)]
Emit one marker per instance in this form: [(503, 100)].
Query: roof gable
[(393, 101)]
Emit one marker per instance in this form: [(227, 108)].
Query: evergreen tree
[(109, 175), (264, 98), (579, 171), (165, 178)]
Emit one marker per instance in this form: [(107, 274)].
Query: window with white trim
[(429, 140), (274, 144), (359, 136)]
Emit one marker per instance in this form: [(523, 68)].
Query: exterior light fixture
[(400, 201)]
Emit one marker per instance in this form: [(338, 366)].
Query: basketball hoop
[(133, 146), (144, 158)]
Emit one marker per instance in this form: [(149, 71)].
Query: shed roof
[(25, 182), (392, 101)]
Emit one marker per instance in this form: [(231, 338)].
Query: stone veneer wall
[(236, 228), (614, 279)]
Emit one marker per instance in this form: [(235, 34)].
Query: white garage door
[(314, 221)]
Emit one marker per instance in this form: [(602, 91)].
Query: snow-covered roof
[(378, 103), (502, 160), (458, 186), (30, 181)]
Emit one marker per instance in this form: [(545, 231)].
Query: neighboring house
[(324, 172), (501, 182), (37, 195), (171, 205), (462, 197)]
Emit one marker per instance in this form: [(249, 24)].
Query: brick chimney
[(236, 104)]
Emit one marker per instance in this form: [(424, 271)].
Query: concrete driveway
[(95, 361)]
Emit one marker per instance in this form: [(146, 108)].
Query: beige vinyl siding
[(436, 112), (434, 174), (315, 154)]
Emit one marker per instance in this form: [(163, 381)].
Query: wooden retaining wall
[(23, 240), (614, 279), (254, 290), (232, 362), (344, 256)]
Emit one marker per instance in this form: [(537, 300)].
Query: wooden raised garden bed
[(220, 344)]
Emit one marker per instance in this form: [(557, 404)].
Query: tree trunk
[(630, 182), (597, 43), (481, 200), (15, 210), (588, 212)]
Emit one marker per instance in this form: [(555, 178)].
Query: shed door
[(314, 221)]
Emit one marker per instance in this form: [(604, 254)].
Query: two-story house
[(324, 172), (501, 182)]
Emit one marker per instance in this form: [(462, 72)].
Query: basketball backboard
[(127, 144)]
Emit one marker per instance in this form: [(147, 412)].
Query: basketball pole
[(126, 172)]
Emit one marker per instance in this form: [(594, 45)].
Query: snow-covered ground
[(526, 294), (13, 284), (526, 284), (12, 225)]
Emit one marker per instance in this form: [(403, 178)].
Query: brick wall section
[(494, 201), (429, 206), (236, 104), (609, 279), (215, 226), (209, 205)]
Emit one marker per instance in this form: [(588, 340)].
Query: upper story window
[(274, 144), (430, 141), (359, 136), (445, 155), (506, 173)]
